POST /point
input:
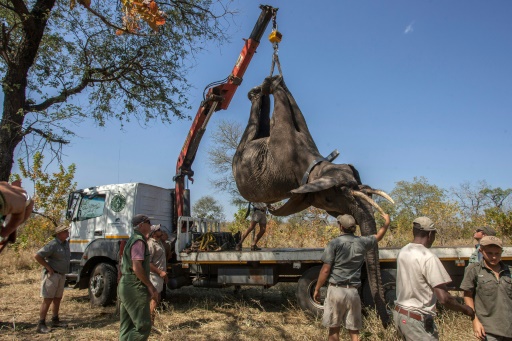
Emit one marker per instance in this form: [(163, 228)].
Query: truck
[(101, 223), (100, 218)]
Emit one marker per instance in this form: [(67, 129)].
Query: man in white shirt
[(421, 281)]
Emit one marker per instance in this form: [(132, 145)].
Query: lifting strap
[(275, 38)]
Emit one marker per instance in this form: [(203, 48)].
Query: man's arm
[(45, 264), (444, 297), (138, 269), (478, 328), (382, 231), (322, 278)]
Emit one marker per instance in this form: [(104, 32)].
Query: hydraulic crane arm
[(217, 98)]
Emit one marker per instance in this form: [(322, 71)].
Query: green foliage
[(51, 53), (50, 200), (208, 208)]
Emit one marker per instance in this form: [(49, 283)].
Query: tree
[(226, 137), (208, 208), (50, 198), (51, 52)]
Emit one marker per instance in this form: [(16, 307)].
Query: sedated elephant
[(278, 159)]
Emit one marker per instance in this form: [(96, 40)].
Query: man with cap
[(343, 258), (157, 265), (479, 234), (421, 281), (487, 289), (135, 289), (54, 257)]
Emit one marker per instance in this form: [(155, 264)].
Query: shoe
[(42, 328), (155, 330), (238, 247), (56, 323), (255, 248)]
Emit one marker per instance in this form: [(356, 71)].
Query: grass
[(190, 314)]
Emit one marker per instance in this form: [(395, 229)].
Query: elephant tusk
[(381, 193), (368, 199)]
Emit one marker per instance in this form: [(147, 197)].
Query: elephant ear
[(295, 204), (317, 185)]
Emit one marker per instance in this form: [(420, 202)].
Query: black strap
[(329, 158)]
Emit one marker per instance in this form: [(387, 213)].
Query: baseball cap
[(155, 228), (424, 224), (489, 231), (346, 220), (491, 240), (139, 218)]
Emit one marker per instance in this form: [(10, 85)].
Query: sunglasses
[(147, 222)]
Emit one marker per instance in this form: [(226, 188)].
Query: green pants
[(134, 309)]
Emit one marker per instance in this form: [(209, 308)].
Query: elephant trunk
[(364, 217)]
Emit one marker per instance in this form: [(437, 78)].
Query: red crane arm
[(218, 97)]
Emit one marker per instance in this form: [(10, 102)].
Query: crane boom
[(218, 97)]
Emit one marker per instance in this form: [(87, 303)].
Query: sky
[(402, 89)]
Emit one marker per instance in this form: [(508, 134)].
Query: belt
[(341, 285), (257, 209), (412, 315)]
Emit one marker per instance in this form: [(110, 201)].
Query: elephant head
[(278, 159)]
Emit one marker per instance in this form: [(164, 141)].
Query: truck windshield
[(91, 207)]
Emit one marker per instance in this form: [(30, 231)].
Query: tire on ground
[(103, 285), (305, 290)]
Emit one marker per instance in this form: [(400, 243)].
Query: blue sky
[(401, 88)]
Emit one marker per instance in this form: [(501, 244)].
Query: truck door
[(89, 221)]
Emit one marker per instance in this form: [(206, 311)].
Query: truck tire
[(306, 289), (389, 284), (102, 285)]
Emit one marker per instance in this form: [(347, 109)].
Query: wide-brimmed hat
[(423, 224), (62, 228)]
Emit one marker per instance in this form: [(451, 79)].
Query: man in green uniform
[(135, 289)]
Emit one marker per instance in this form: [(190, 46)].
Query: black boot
[(42, 328), (56, 323)]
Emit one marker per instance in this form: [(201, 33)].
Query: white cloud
[(409, 28)]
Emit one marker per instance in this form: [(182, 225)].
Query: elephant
[(278, 159)]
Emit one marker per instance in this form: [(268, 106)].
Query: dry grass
[(191, 314)]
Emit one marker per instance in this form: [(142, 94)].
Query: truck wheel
[(389, 284), (306, 289), (102, 285)]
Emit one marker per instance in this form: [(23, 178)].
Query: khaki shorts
[(52, 286), (342, 306), (157, 281), (259, 217)]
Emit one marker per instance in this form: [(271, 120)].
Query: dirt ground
[(190, 314)]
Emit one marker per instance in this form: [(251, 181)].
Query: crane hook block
[(275, 36)]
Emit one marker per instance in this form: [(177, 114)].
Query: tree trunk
[(15, 80)]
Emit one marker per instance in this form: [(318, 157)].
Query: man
[(135, 289), (158, 267), (54, 257), (259, 217), (15, 208), (421, 280), (343, 258), (487, 289), (480, 232)]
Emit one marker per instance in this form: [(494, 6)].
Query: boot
[(42, 328), (56, 323)]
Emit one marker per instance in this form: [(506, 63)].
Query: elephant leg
[(295, 204), (259, 118)]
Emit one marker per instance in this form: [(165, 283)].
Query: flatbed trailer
[(270, 266)]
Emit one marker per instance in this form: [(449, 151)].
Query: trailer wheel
[(102, 285), (388, 283), (306, 289)]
